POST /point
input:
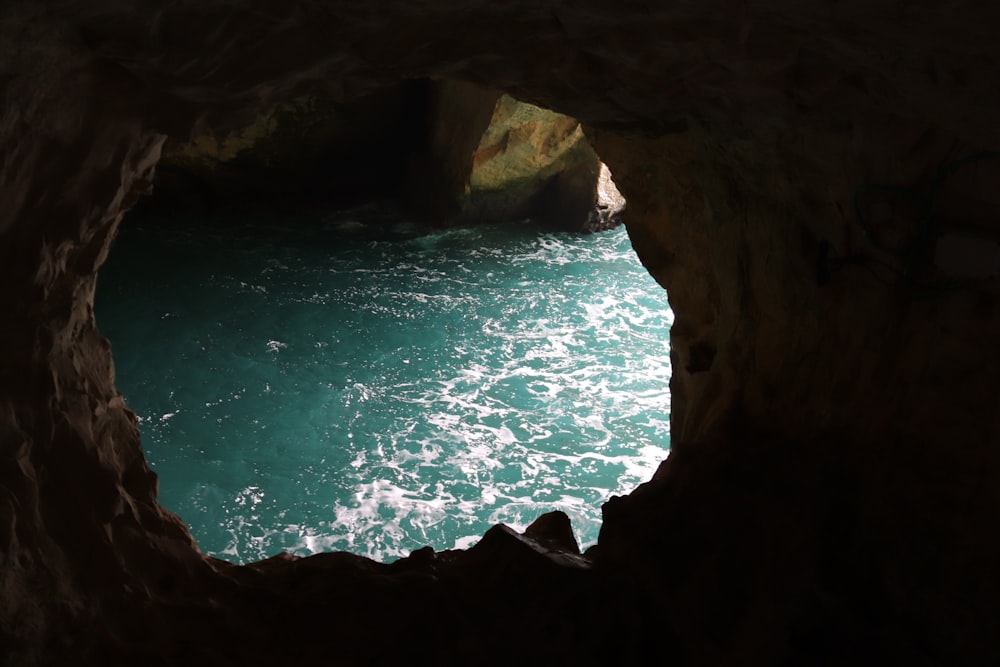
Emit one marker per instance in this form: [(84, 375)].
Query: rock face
[(525, 162), (797, 175), (450, 153), (310, 151)]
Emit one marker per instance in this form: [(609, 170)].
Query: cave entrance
[(356, 381)]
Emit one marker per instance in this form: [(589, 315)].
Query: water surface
[(375, 387)]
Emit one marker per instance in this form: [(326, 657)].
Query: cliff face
[(808, 180), (492, 158)]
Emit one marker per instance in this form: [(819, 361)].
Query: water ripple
[(379, 395)]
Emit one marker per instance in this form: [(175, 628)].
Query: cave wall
[(833, 486), (493, 158), (878, 348), (443, 152), (313, 151), (828, 416)]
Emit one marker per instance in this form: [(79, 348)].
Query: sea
[(355, 382)]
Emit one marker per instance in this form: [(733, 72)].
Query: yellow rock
[(495, 158)]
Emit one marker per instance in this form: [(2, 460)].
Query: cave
[(815, 184)]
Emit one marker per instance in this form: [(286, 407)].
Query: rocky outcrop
[(802, 177)]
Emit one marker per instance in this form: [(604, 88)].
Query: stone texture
[(833, 490), (449, 153), (458, 115), (492, 158), (311, 151)]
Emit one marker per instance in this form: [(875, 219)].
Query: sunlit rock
[(494, 158)]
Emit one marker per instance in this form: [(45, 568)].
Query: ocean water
[(370, 386)]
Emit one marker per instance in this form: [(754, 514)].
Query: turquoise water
[(377, 387)]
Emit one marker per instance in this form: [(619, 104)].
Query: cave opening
[(833, 481), (327, 379)]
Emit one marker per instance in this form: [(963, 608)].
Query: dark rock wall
[(459, 114), (443, 152), (833, 490), (314, 151), (872, 343)]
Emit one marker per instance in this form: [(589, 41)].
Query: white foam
[(466, 542)]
